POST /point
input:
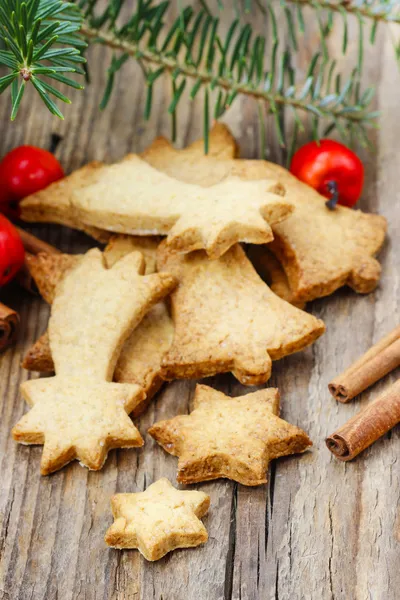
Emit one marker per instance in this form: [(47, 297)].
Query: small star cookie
[(158, 520), (235, 438)]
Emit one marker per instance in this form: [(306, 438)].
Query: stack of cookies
[(113, 339)]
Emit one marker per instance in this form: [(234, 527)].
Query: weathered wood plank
[(378, 549), (320, 529), (55, 526), (332, 532)]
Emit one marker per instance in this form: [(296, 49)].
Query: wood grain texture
[(320, 529)]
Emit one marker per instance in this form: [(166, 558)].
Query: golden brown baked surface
[(53, 204), (49, 269), (227, 319), (235, 438), (158, 520), (320, 250), (38, 356), (135, 198), (79, 413), (142, 353), (271, 271), (76, 418)]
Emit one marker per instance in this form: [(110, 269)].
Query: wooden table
[(320, 529)]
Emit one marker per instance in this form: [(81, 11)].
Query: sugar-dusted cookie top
[(229, 437), (79, 413), (135, 198), (227, 319), (320, 250), (158, 520)]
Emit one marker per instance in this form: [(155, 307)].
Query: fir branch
[(308, 100), (368, 13), (45, 38), (36, 33), (233, 65), (387, 11)]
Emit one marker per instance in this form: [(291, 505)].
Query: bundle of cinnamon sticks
[(9, 318), (378, 417)]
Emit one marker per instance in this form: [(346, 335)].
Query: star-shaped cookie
[(135, 198), (53, 204), (79, 413), (235, 438), (158, 520), (320, 250), (78, 419)]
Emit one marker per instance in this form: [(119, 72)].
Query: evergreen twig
[(44, 39), (368, 13), (41, 40)]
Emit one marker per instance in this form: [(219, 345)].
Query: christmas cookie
[(142, 353), (79, 413), (228, 437), (158, 520), (53, 204), (227, 319), (135, 198), (320, 250)]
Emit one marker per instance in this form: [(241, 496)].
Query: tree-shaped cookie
[(320, 250), (229, 437), (142, 353), (158, 520), (227, 319), (79, 413), (135, 198)]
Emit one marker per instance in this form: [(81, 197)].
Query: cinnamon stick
[(34, 245), (367, 426), (9, 321), (382, 358), (24, 277)]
